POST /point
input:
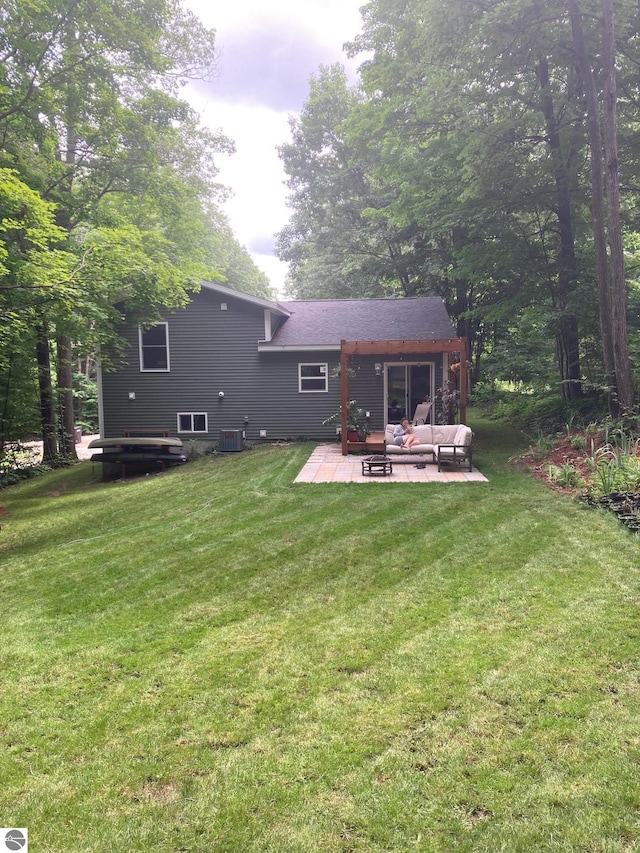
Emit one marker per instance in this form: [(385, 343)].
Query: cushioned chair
[(421, 414), (441, 442), (458, 451)]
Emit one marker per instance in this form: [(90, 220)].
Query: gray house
[(229, 361)]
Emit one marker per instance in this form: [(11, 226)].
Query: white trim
[(144, 369), (323, 374), (192, 415), (267, 325), (264, 346), (245, 297), (385, 372)]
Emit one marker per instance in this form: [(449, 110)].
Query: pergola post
[(344, 395), (463, 382)]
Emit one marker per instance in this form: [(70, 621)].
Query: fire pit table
[(377, 465)]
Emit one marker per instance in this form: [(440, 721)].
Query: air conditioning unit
[(230, 441)]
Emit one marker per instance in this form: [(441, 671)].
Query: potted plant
[(357, 421)]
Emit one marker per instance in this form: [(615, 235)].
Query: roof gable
[(325, 323), (258, 301)]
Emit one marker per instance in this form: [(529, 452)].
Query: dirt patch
[(163, 793)]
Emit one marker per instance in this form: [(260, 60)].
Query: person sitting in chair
[(403, 434), (410, 438)]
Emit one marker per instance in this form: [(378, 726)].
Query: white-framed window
[(193, 422), (312, 378), (154, 348)]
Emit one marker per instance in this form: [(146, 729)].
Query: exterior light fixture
[(378, 369)]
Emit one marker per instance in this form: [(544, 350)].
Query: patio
[(327, 465)]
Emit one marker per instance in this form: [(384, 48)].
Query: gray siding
[(212, 350)]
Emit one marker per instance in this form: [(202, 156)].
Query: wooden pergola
[(382, 348)]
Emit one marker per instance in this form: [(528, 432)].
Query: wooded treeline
[(489, 154), (108, 194)]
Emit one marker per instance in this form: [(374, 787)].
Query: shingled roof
[(325, 323)]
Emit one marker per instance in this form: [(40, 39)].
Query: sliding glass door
[(406, 385)]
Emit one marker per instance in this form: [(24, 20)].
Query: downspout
[(344, 396)]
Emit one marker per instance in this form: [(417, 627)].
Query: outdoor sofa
[(437, 443)]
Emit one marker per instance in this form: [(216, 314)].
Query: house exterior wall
[(213, 350)]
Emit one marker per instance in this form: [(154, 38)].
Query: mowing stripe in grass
[(225, 661)]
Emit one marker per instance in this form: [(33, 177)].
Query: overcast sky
[(267, 52)]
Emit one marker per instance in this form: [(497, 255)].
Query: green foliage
[(618, 473), (29, 235), (540, 448), (234, 264), (357, 420), (616, 464), (458, 166), (622, 432), (578, 442), (85, 393), (335, 243), (11, 473), (447, 400), (536, 412), (19, 414), (565, 475), (108, 192)]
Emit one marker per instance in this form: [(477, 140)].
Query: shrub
[(578, 442), (538, 412), (540, 448), (613, 471), (15, 475), (565, 475)]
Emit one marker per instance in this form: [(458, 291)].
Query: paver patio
[(327, 465)]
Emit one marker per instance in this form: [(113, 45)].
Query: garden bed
[(582, 465)]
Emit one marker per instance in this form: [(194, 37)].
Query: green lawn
[(215, 659)]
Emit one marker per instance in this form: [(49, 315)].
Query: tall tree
[(605, 205), (35, 281), (484, 143), (95, 91), (624, 385), (597, 190), (338, 241)]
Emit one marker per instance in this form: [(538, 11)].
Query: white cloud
[(267, 55), (257, 204), (326, 18)]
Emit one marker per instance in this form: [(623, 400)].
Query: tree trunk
[(567, 333), (597, 193), (624, 384), (568, 355), (65, 353), (65, 398), (47, 408)]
